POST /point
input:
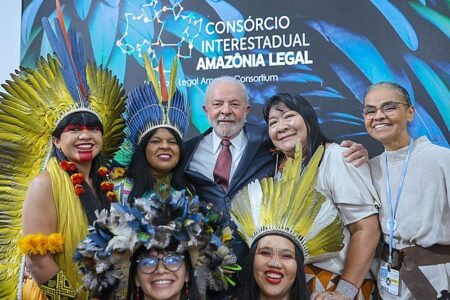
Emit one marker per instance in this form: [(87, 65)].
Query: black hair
[(298, 103), (139, 169), (134, 292), (250, 290), (390, 85), (91, 200)]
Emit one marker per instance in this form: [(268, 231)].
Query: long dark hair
[(139, 169), (134, 292), (91, 200), (297, 103), (250, 290)]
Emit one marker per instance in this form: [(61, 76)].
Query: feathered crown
[(104, 256), (290, 207), (33, 103), (69, 49), (153, 106)]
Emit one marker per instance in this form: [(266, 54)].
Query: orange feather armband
[(41, 244)]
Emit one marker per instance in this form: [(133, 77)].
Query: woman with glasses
[(161, 274), (150, 250), (292, 120), (412, 178)]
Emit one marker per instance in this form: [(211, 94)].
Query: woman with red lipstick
[(286, 223), (57, 125), (292, 120)]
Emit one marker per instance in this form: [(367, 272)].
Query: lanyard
[(391, 222)]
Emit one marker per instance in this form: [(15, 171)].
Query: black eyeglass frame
[(158, 259)]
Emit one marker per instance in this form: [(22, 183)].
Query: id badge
[(389, 280)]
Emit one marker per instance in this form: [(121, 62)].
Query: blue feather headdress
[(104, 256), (152, 106), (69, 49)]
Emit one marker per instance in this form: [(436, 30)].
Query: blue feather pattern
[(28, 16), (143, 111), (79, 54), (423, 124), (192, 21), (72, 77), (227, 13), (433, 84), (118, 63), (196, 96), (357, 48), (82, 7), (136, 29), (399, 22), (102, 29), (440, 21), (178, 111), (352, 81), (46, 48)]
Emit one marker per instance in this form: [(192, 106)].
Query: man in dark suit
[(227, 106)]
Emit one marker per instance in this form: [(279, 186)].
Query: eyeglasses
[(387, 109), (149, 264), (272, 253)]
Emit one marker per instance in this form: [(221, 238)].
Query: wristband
[(347, 289), (58, 288)]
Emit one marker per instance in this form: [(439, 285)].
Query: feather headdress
[(103, 257), (290, 207), (34, 102), (153, 106)]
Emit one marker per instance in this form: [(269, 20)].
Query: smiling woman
[(292, 120), (54, 154), (156, 120), (160, 274), (274, 217), (412, 178)]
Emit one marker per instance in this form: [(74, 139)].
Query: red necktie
[(223, 165)]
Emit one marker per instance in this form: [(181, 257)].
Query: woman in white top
[(412, 178), (291, 119)]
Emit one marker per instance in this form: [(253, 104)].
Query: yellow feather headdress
[(290, 207), (33, 103)]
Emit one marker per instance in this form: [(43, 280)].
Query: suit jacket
[(256, 162)]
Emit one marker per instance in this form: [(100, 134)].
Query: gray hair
[(390, 85), (227, 79)]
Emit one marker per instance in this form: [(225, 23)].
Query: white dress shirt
[(205, 156)]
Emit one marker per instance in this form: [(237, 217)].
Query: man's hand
[(356, 154)]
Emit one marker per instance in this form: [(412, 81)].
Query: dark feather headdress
[(104, 256)]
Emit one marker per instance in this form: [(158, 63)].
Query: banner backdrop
[(329, 51)]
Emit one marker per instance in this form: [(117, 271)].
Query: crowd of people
[(242, 211)]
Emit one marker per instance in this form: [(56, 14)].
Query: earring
[(138, 293), (186, 290)]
